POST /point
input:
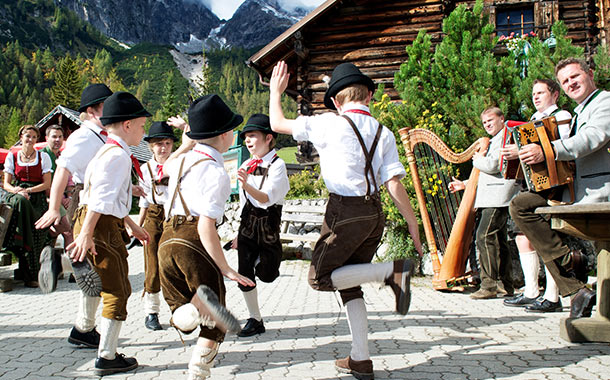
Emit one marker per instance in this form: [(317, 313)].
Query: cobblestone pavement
[(444, 336)]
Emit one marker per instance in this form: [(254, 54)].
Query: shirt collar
[(120, 141), (578, 108), (549, 110), (355, 106), (216, 155), (92, 126), (269, 156)]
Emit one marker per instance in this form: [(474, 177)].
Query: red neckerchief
[(159, 171), (361, 112), (204, 153), (253, 164), (134, 161), (104, 133)]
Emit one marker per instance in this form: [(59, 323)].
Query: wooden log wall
[(371, 34)]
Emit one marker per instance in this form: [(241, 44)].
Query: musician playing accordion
[(587, 145)]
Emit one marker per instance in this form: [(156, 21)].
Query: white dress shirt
[(9, 163), (81, 147), (205, 187), (161, 193), (341, 157), (276, 184), (108, 180), (564, 129)]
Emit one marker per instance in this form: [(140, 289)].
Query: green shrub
[(307, 184)]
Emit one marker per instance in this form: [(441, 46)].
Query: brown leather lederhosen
[(109, 237), (183, 262), (259, 238), (153, 224), (352, 229)]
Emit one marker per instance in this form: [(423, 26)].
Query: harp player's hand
[(456, 185), (531, 154)]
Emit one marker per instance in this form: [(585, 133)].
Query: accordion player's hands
[(531, 154), (510, 152)]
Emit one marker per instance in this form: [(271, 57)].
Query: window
[(519, 21)]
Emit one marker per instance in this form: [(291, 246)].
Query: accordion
[(548, 174)]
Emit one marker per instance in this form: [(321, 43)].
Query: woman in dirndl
[(27, 176)]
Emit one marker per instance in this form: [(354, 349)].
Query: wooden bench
[(587, 221), (300, 214)]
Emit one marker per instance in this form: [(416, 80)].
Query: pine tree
[(12, 129), (541, 65), (168, 105), (68, 85), (462, 78)]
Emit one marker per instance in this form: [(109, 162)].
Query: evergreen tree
[(68, 85), (462, 78), (12, 129), (168, 105), (541, 65), (602, 67)]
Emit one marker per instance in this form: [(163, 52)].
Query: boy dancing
[(265, 184), (356, 153), (191, 260), (160, 141), (101, 219)]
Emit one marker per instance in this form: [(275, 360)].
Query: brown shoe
[(578, 266), (400, 282), (581, 304), (360, 369), (484, 294), (210, 308)]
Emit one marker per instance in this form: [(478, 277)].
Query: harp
[(450, 229)]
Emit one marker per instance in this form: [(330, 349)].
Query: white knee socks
[(151, 303), (85, 317), (109, 338), (187, 318), (202, 360), (251, 298), (551, 292), (358, 326), (349, 276), (530, 266)]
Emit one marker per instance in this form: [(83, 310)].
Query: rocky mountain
[(186, 24), (156, 21), (257, 22)]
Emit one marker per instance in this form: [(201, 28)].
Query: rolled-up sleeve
[(277, 185), (105, 190), (391, 167), (215, 191)]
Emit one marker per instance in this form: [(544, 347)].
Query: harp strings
[(435, 174)]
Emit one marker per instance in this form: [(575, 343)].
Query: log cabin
[(373, 35)]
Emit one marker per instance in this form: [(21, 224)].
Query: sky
[(225, 8)]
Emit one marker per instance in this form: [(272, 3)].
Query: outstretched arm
[(277, 86), (401, 200)]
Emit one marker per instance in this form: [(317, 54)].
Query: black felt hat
[(209, 117), (160, 130), (122, 106), (344, 75), (92, 95), (257, 122)]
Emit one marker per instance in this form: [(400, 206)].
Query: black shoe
[(50, 268), (87, 279), (90, 339), (71, 279), (119, 364), (400, 282), (252, 327), (582, 303), (152, 322), (519, 301), (133, 243), (544, 306)]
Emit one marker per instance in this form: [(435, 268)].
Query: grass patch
[(288, 154)]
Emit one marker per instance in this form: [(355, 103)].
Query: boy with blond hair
[(356, 154)]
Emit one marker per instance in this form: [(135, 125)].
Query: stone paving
[(444, 336)]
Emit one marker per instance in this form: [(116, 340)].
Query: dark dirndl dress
[(22, 239)]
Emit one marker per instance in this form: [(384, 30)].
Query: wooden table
[(591, 222)]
